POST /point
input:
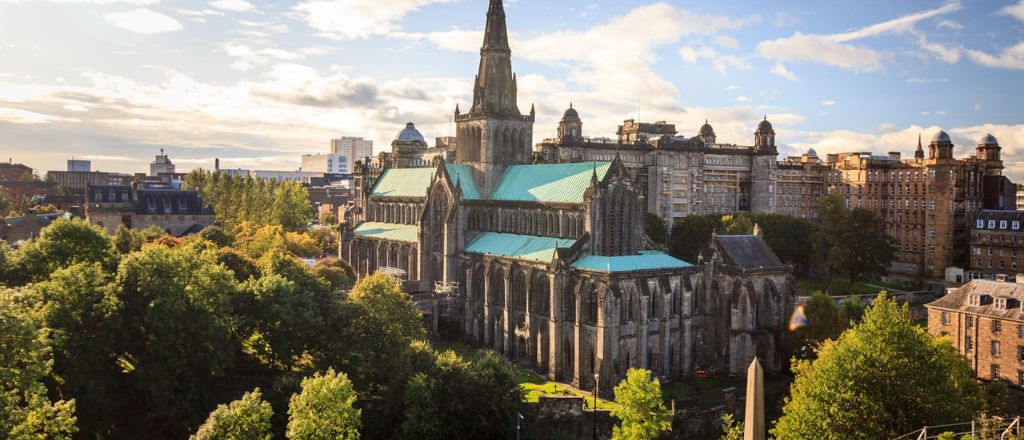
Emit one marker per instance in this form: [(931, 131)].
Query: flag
[(798, 318)]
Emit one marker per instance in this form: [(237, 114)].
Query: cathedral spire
[(495, 88), (919, 153)]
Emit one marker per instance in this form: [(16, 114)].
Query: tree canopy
[(245, 419), (263, 202), (851, 241), (640, 407), (881, 379), (323, 409)]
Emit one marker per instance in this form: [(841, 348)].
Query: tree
[(240, 264), (640, 407), (302, 244), (176, 338), (852, 309), (217, 235), (824, 321), (25, 410), (383, 321), (63, 243), (731, 429), (323, 409), (245, 419), (80, 306), (690, 234), (856, 383), (262, 202), (326, 238), (736, 225), (279, 319), (655, 228), (853, 242), (329, 218), (336, 272)]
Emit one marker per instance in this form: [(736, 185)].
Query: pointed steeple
[(919, 153), (495, 88)]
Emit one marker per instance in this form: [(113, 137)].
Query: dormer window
[(152, 205), (167, 206), (182, 205), (978, 299)]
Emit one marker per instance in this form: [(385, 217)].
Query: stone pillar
[(641, 334), (753, 422), (510, 333), (487, 307), (554, 329), (578, 340)]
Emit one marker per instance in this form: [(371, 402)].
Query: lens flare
[(797, 319)]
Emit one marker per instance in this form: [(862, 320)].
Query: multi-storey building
[(547, 263), (353, 148), (997, 244), (161, 165), (80, 166), (332, 163), (984, 321), (176, 211), (77, 181), (11, 172)]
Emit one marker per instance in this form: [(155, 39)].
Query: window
[(1020, 377), (1002, 224), (981, 223), (1020, 353), (996, 326), (945, 318), (995, 349), (970, 322), (1020, 331), (995, 371), (968, 344)]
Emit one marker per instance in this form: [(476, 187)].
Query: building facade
[(332, 163), (176, 211), (161, 165), (984, 321), (997, 244), (548, 263), (353, 149)]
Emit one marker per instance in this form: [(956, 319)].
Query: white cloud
[(742, 99), (719, 61), (19, 116), (927, 80), (1014, 10), (726, 42), (143, 21), (781, 70), (949, 24), (88, 2), (1009, 58), (233, 5), (834, 49), (828, 103), (76, 108), (354, 19), (732, 87)]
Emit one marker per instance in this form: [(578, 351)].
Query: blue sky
[(260, 83)]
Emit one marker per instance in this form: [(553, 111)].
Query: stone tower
[(570, 128), (989, 151), (494, 134)]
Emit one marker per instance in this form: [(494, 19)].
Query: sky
[(258, 84)]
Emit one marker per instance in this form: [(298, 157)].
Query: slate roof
[(997, 216), (957, 299), (522, 247), (110, 194), (628, 263), (169, 202), (413, 182), (748, 251), (563, 182), (388, 231)]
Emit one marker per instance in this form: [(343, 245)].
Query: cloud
[(742, 99), (1009, 58), (720, 62), (233, 5), (356, 19), (1014, 10), (726, 42), (949, 24), (828, 103), (143, 21), (781, 70), (302, 85), (88, 2), (18, 116), (834, 49), (927, 80)]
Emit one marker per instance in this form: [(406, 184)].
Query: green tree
[(245, 419), (788, 238), (640, 407), (329, 218), (280, 319), (736, 225), (217, 235), (336, 272), (25, 360), (324, 410), (655, 228), (852, 309), (240, 264), (63, 243), (851, 242), (731, 429), (177, 336), (79, 304), (856, 383), (824, 321), (690, 234), (263, 202), (383, 321)]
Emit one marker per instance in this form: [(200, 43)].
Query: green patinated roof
[(628, 263), (413, 182), (563, 182), (388, 231), (522, 247)]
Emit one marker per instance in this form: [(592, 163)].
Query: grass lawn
[(708, 391), (840, 286)]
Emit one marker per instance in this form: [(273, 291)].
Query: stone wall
[(564, 418)]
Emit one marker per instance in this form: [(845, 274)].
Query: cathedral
[(548, 263)]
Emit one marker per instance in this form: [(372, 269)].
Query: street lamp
[(596, 378)]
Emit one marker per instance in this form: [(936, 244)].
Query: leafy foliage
[(262, 202), (731, 429), (655, 228), (640, 407), (323, 409), (851, 241), (245, 419), (64, 243), (785, 235), (824, 321), (880, 379)]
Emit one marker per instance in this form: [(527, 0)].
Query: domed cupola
[(707, 134), (941, 136), (410, 134), (570, 129), (941, 147), (988, 148), (764, 138)]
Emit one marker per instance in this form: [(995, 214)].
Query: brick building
[(985, 323), (997, 244), (10, 172), (176, 211)]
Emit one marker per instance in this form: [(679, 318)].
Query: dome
[(811, 153), (989, 140), (941, 136), (706, 130), (764, 126), (410, 134), (571, 114)]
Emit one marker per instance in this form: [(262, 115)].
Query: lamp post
[(596, 378)]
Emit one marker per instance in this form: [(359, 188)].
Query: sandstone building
[(997, 244), (177, 211), (548, 263)]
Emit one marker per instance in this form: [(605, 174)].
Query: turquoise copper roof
[(628, 263), (522, 247), (388, 231), (413, 182), (563, 182)]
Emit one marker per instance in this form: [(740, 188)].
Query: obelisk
[(753, 423)]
